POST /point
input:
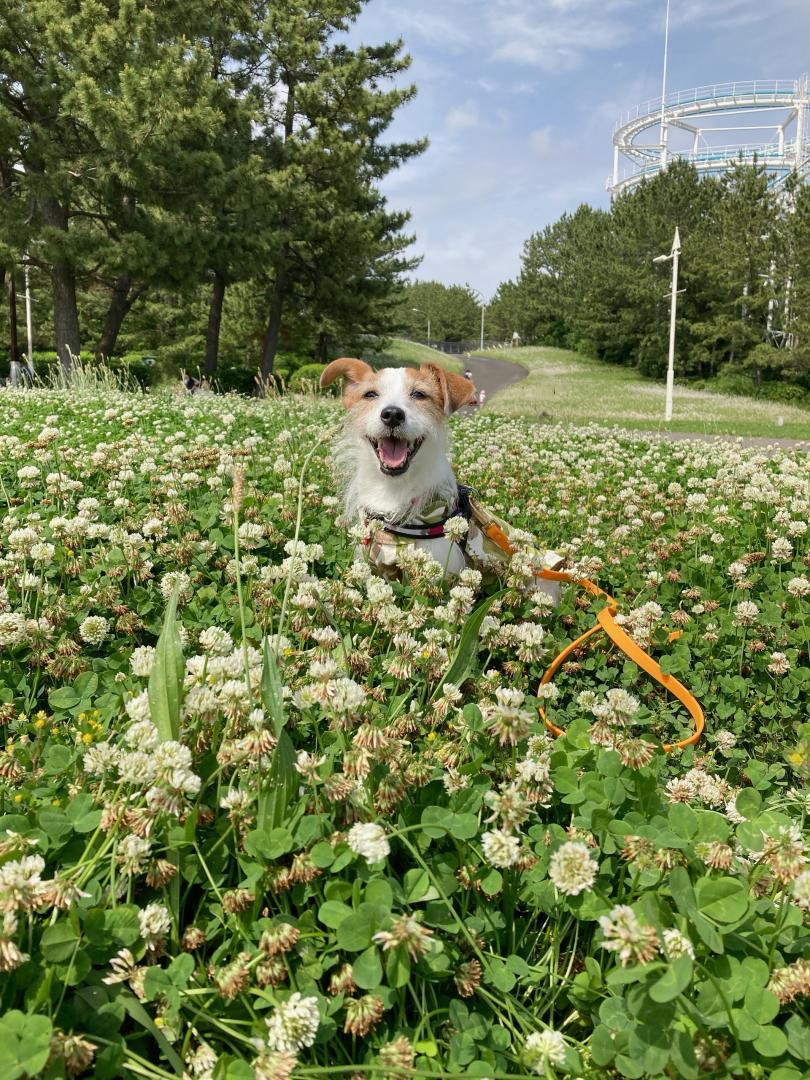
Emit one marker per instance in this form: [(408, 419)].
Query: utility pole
[(28, 320), (674, 256), (483, 309), (13, 339)]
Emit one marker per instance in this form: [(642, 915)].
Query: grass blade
[(166, 679), (467, 647)]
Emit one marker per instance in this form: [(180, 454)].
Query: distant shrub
[(307, 377)]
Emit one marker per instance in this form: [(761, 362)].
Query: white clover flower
[(571, 868), (216, 641), (369, 840), (677, 944), (180, 580), (94, 629), (251, 535), (745, 614), (725, 741), (13, 629), (294, 1024), (142, 735), (501, 849), (137, 708), (100, 757), (345, 696), (779, 665), (798, 586), (456, 528), (781, 550), (42, 552), (543, 1049), (155, 923), (142, 661)]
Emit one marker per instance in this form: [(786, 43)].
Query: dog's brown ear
[(347, 367), (456, 390)]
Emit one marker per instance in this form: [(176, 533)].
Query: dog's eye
[(420, 395), (371, 394)]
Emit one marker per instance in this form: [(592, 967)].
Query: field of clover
[(266, 815)]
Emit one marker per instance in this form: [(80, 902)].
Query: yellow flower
[(39, 723), (41, 715), (431, 735), (54, 802), (18, 797), (796, 758), (87, 738), (82, 717)]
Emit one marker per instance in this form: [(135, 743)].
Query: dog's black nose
[(393, 416)]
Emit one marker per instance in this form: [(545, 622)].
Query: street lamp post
[(483, 309), (673, 255), (420, 312)]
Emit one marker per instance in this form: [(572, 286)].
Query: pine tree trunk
[(214, 323), (320, 348), (270, 347), (63, 280), (123, 297)]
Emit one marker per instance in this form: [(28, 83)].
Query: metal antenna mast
[(663, 131)]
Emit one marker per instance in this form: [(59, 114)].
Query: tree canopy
[(589, 282), (153, 157)]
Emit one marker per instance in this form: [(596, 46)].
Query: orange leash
[(606, 621)]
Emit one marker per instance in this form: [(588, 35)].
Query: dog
[(400, 484)]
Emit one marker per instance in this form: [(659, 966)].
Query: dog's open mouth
[(394, 455)]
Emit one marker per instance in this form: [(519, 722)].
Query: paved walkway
[(494, 375)]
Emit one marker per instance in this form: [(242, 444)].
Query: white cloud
[(540, 140), (463, 116)]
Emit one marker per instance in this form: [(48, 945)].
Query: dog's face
[(396, 411)]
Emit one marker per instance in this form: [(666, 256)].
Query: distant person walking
[(482, 396), (515, 339)]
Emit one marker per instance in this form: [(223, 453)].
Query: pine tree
[(324, 118), (109, 112)]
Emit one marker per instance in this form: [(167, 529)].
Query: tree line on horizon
[(199, 177), (588, 281)]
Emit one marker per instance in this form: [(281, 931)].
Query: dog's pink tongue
[(392, 452)]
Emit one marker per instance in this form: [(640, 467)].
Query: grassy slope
[(568, 387), (402, 353)]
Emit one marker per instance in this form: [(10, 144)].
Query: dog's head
[(396, 411)]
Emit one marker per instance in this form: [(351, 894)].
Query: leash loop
[(606, 621)]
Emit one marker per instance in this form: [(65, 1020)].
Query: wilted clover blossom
[(630, 939)]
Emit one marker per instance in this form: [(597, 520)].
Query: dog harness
[(477, 548)]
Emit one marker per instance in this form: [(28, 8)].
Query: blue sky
[(519, 99)]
